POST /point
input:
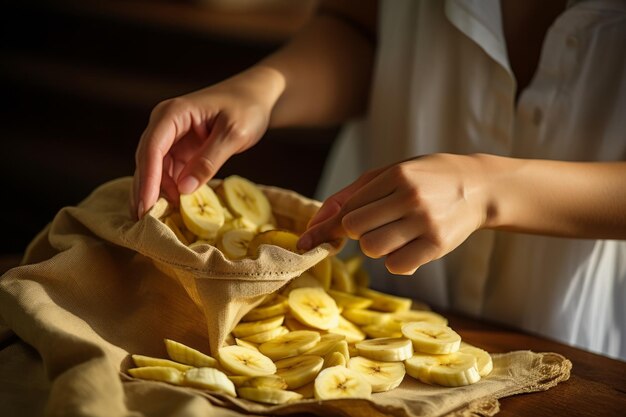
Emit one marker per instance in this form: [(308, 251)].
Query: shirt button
[(571, 41), (537, 116)]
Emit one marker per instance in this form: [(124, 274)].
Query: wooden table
[(597, 386)]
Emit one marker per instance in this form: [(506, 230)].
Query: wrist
[(500, 191), (489, 172), (264, 83)]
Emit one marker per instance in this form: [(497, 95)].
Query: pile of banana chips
[(325, 335)]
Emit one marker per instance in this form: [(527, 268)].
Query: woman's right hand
[(188, 138)]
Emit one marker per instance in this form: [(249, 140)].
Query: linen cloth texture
[(96, 286)]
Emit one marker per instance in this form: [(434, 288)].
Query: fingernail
[(304, 243), (188, 185), (140, 208)]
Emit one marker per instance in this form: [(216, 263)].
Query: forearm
[(569, 199), (325, 71)]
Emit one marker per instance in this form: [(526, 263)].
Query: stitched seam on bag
[(220, 274), (141, 250)]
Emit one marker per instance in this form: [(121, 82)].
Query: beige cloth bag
[(96, 286)]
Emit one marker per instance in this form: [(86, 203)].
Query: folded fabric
[(96, 285)]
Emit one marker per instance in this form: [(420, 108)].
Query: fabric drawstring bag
[(224, 290), (96, 286)]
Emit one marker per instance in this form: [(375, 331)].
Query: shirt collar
[(481, 21)]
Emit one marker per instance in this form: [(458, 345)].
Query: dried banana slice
[(268, 395), (254, 327), (210, 379), (299, 370), (234, 243), (202, 212), (341, 382), (266, 336), (450, 370), (275, 306), (313, 307), (351, 332), (484, 363), (341, 278), (188, 356), (290, 344), (158, 373), (383, 376), (277, 237), (246, 362), (432, 338), (385, 302), (334, 359), (265, 381), (326, 344), (363, 317), (386, 349), (245, 199), (141, 361), (347, 300)]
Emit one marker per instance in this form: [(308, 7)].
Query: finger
[(178, 164), (330, 208), (171, 171), (407, 259), (147, 182), (168, 165), (326, 225), (389, 238), (153, 146), (379, 186), (374, 215), (170, 190), (336, 201), (219, 146), (134, 192), (329, 230)]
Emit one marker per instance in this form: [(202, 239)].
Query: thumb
[(325, 226), (328, 230), (335, 202)]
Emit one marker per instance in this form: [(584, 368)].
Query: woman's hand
[(411, 212), (189, 138), (418, 210), (321, 77)]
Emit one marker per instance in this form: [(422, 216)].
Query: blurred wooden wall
[(79, 78)]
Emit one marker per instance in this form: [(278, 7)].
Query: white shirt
[(442, 83)]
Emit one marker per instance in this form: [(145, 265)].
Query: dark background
[(80, 77)]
